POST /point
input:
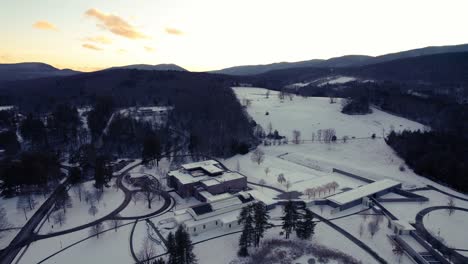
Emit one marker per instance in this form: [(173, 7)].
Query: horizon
[(211, 35)]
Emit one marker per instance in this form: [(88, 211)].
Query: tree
[(152, 149), (149, 194), (296, 137), (63, 200), (267, 94), (59, 217), (290, 218), (451, 203), (93, 210), (270, 128), (267, 170), (96, 229), (373, 226), (258, 156), (115, 223), (102, 172), (25, 203), (159, 261), (4, 223), (147, 251), (309, 192), (75, 175), (78, 190), (306, 225), (281, 179), (238, 167), (398, 251), (361, 229), (261, 224), (172, 249), (184, 247), (247, 237)]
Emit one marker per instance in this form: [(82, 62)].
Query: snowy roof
[(224, 203), (6, 107), (186, 177), (229, 217), (403, 225), (214, 198), (363, 191), (210, 182), (210, 166), (261, 197), (137, 175)]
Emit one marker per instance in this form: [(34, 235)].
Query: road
[(27, 232)]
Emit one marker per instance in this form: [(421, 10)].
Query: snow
[(78, 214), (363, 191), (140, 207), (16, 217), (337, 80), (448, 227), (6, 107)]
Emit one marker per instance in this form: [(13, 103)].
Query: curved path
[(457, 257)]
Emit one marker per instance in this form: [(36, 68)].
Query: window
[(216, 222), (204, 226), (229, 225), (194, 229)]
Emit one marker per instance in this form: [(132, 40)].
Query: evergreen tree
[(102, 172), (289, 218), (261, 218), (247, 237), (184, 247), (159, 261), (171, 249), (305, 227)]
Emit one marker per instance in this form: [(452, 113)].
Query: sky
[(202, 35)]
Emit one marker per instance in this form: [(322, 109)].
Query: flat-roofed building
[(206, 177), (355, 196)]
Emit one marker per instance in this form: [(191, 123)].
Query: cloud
[(99, 39), (5, 58), (90, 46), (174, 31), (44, 25), (115, 24), (121, 51), (149, 49)]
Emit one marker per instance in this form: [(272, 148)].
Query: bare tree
[(267, 170), (115, 223), (23, 204), (281, 179), (332, 100), (148, 250), (136, 197), (262, 182), (59, 217), (361, 229), (270, 128), (288, 185), (313, 137), (4, 223), (319, 135), (96, 229), (397, 250), (451, 203), (345, 139), (93, 210), (291, 96), (89, 197), (309, 192), (149, 194), (267, 94), (258, 156), (78, 190), (296, 137), (373, 227)]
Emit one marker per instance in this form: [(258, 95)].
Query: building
[(401, 227), (356, 196), (204, 180), (221, 211)]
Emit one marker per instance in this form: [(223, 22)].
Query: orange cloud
[(99, 39), (115, 24), (174, 31), (90, 46), (149, 49), (44, 25)]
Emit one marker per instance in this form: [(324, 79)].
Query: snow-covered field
[(79, 212), (448, 227)]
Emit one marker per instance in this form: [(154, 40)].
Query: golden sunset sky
[(204, 35)]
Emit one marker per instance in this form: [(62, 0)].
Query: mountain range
[(34, 70)]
